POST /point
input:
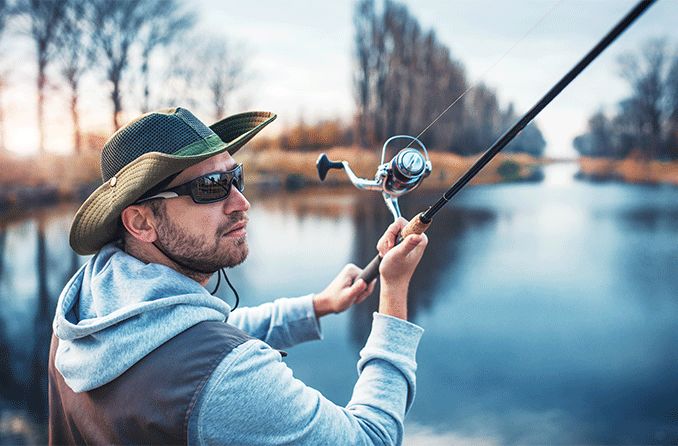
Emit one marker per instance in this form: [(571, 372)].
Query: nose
[(236, 201)]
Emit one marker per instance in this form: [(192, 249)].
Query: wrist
[(322, 305), (393, 300)]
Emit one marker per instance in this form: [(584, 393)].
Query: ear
[(140, 222)]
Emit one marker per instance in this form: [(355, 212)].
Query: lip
[(238, 230)]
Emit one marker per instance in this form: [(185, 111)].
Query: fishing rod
[(421, 222)]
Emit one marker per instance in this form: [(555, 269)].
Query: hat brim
[(96, 222)]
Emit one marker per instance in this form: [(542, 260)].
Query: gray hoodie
[(117, 309)]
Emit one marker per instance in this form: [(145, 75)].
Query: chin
[(238, 252)]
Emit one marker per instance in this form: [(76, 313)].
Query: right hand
[(399, 261)]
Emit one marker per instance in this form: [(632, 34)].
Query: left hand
[(342, 292)]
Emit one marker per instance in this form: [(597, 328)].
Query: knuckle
[(348, 270)]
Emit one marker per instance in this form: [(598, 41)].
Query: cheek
[(197, 219)]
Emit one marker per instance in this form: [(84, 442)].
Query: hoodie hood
[(117, 309)]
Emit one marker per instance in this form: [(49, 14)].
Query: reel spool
[(402, 174)]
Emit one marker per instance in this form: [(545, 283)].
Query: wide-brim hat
[(144, 153)]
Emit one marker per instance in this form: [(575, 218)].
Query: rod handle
[(371, 270), (415, 226)]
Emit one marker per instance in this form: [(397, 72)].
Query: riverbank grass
[(26, 181), (630, 170)]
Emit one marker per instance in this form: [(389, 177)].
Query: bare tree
[(672, 92), (599, 141), (166, 22), (181, 75), (646, 122), (44, 18), (75, 49), (529, 140), (223, 74), (5, 12), (116, 27), (646, 75), (404, 78), (3, 85), (363, 23)]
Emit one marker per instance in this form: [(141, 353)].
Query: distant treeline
[(644, 124), (403, 79), (143, 53)]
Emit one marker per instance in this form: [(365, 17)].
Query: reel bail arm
[(394, 178)]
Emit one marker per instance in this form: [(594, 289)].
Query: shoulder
[(250, 386)]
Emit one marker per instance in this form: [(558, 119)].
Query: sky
[(299, 58)]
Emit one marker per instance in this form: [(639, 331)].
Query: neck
[(152, 253)]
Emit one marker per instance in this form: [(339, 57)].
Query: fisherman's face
[(206, 236)]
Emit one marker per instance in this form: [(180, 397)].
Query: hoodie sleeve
[(252, 397), (282, 323)]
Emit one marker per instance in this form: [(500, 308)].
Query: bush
[(509, 170)]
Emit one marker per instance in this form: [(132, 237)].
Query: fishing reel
[(394, 178)]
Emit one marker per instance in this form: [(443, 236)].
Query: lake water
[(550, 309)]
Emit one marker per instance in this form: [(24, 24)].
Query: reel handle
[(415, 226), (323, 164)]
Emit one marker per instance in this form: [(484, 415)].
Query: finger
[(418, 251), (357, 292), (373, 284), (367, 292), (421, 246), (347, 275), (351, 271), (388, 240), (356, 289), (409, 244), (389, 234), (360, 298)]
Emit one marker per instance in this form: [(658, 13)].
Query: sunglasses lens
[(216, 186), (209, 188), (239, 178)]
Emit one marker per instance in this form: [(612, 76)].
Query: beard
[(203, 253)]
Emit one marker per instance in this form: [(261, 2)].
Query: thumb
[(409, 244), (357, 287)]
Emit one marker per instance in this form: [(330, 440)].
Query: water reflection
[(550, 311), (3, 236), (31, 276), (371, 219)]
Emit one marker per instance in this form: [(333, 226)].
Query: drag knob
[(324, 164)]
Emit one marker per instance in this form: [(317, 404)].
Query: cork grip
[(415, 226)]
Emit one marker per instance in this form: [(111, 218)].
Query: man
[(141, 353)]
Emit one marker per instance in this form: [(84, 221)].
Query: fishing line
[(490, 68)]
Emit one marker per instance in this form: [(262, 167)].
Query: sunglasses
[(209, 188)]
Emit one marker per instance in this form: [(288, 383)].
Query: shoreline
[(33, 182), (36, 181), (629, 170)]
